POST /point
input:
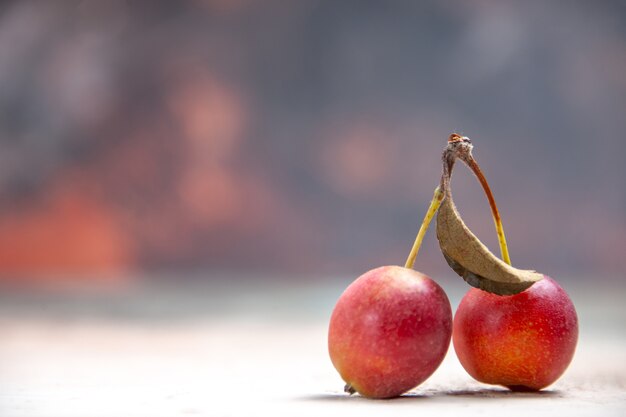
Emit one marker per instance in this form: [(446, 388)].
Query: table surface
[(222, 352)]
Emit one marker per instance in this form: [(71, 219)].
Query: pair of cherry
[(392, 327)]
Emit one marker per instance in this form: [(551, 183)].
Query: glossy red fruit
[(523, 341), (389, 331)]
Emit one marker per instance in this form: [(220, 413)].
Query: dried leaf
[(472, 260)]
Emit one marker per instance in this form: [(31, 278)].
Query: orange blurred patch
[(355, 162), (65, 233)]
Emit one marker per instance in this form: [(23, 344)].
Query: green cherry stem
[(432, 209)]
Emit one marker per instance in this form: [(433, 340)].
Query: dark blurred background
[(303, 138)]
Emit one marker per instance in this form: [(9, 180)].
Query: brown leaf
[(472, 260)]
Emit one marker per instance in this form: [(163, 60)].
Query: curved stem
[(504, 249), (432, 209)]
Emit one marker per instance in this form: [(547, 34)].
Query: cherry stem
[(432, 209), (504, 249), (449, 157), (461, 147)]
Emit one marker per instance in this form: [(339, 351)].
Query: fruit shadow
[(341, 397), (489, 393), (500, 393)]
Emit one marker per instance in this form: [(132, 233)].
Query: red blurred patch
[(66, 232)]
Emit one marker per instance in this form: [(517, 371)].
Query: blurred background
[(180, 181), (294, 138)]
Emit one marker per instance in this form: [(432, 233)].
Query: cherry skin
[(523, 341), (389, 331)]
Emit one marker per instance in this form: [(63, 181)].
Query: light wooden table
[(240, 351)]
